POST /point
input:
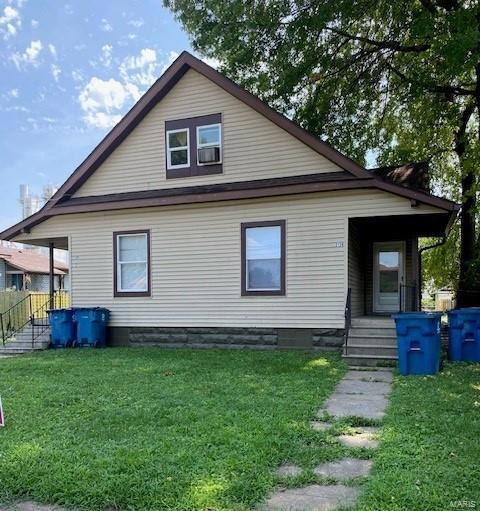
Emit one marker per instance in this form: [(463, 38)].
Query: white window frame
[(201, 146), (120, 263), (180, 148)]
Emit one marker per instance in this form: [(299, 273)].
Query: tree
[(394, 81)]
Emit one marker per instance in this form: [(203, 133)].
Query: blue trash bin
[(62, 328), (91, 326), (419, 342), (464, 334)]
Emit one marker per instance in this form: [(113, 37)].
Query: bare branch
[(439, 89), (382, 45)]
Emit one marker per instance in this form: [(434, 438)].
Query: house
[(207, 218), (26, 269)]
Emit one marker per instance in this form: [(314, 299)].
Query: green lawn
[(429, 457), (149, 429)]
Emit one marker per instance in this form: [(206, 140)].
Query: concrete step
[(368, 330), (28, 338), (26, 345), (368, 350), (372, 321), (17, 351), (370, 360), (373, 340)]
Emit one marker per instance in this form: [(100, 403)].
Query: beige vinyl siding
[(356, 271), (196, 259), (254, 147)]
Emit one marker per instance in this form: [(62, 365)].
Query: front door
[(388, 275)]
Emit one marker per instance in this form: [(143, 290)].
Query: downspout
[(420, 252)]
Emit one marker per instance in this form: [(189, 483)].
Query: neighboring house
[(24, 269), (205, 217)]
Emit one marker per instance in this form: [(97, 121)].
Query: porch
[(383, 279)]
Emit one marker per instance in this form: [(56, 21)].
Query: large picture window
[(263, 258), (131, 263)]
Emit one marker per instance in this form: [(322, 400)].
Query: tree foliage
[(383, 80)]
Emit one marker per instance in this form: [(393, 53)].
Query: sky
[(68, 72)]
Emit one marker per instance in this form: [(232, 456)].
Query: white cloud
[(215, 63), (34, 23), (29, 56), (101, 119), (56, 72), (52, 50), (100, 99), (10, 22), (141, 70), (14, 93), (103, 101), (136, 23), (105, 25), (77, 75), (106, 57), (17, 108)]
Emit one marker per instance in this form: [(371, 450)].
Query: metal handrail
[(15, 318), (39, 318), (348, 318), (19, 315)]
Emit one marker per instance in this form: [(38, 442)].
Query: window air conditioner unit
[(208, 155)]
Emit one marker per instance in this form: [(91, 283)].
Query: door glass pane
[(388, 259), (388, 281)]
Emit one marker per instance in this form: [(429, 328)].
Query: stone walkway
[(360, 394)]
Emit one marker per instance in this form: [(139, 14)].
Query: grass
[(149, 429), (429, 455)]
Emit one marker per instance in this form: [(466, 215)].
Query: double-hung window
[(263, 258), (131, 263), (209, 144), (178, 148), (193, 146)]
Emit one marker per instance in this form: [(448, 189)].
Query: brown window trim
[(191, 123), (117, 293), (283, 261)]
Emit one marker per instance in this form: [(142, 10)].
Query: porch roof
[(386, 228)]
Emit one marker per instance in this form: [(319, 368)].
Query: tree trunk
[(469, 284)]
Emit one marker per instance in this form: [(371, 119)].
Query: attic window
[(178, 149), (209, 145), (193, 146)]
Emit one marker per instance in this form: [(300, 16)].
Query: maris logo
[(463, 504)]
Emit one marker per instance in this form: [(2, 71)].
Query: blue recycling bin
[(62, 328), (464, 334), (419, 342), (91, 326)]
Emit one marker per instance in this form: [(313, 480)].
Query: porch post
[(51, 275)]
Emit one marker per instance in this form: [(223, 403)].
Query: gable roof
[(353, 175), (160, 89), (30, 262)]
